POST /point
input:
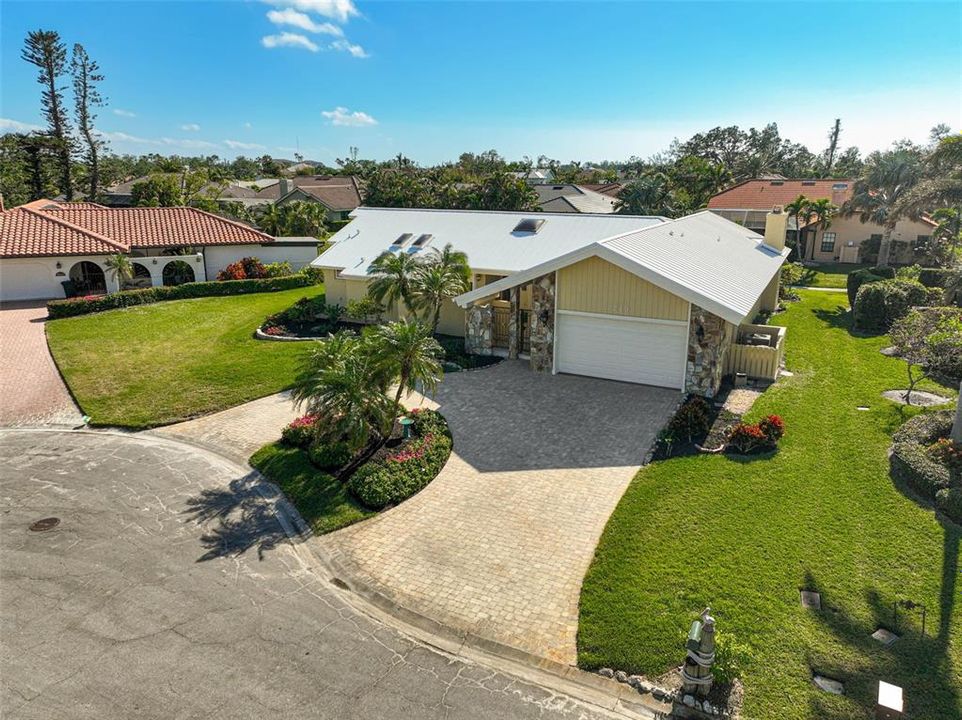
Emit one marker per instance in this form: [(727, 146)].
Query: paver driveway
[(499, 543), (169, 590), (31, 390)]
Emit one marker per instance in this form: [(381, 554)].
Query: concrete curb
[(617, 699)]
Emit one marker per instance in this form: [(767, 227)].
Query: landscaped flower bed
[(319, 476), (925, 459)]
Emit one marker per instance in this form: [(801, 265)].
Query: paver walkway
[(239, 431), (31, 389), (499, 543)]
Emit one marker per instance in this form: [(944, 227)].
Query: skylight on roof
[(808, 182), (402, 240), (777, 182), (423, 240), (840, 186), (529, 225)]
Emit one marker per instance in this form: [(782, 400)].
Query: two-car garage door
[(632, 349)]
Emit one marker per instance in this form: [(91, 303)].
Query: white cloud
[(290, 16), (238, 145), (181, 143), (343, 117), (190, 144), (124, 113), (340, 10), (7, 125), (287, 39), (124, 137), (190, 127), (248, 125), (345, 46)]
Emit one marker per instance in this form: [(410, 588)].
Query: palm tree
[(120, 268), (409, 355), (821, 212), (443, 275), (270, 219), (886, 179), (799, 209), (394, 278), (942, 184), (340, 381)]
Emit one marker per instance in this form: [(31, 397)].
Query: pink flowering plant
[(301, 431)]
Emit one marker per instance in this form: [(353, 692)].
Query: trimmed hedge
[(913, 464), (146, 296), (880, 303), (935, 277), (396, 478), (857, 278)]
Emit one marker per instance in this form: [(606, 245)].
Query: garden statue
[(696, 675)]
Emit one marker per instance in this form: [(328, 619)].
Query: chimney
[(286, 186), (776, 227)]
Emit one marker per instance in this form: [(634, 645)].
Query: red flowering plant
[(412, 451), (273, 331), (300, 432), (947, 452), (748, 438)]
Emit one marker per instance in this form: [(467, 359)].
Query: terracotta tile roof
[(48, 228), (26, 232), (763, 194), (160, 226)]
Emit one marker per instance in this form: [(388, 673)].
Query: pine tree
[(86, 77), (46, 50)]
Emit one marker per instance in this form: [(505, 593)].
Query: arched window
[(177, 273), (140, 279), (88, 278)]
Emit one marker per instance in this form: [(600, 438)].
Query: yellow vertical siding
[(596, 286)]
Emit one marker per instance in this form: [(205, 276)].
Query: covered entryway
[(88, 278), (636, 350)]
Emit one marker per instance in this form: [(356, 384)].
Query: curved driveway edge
[(496, 547)]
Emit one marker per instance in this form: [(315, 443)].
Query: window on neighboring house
[(922, 241), (828, 242), (876, 237)]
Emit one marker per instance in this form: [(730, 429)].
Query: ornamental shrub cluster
[(922, 462), (147, 296), (750, 438), (330, 455), (857, 278), (300, 431), (402, 474), (249, 268), (692, 419), (879, 304)]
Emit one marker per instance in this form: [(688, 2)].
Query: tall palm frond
[(394, 276)]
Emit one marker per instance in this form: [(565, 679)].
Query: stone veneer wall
[(479, 330), (542, 323), (706, 355)]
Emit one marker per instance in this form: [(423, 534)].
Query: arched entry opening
[(140, 278), (88, 278), (177, 273)]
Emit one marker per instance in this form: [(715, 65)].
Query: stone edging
[(259, 334)]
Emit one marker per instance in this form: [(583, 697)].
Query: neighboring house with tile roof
[(573, 199), (339, 194), (632, 298), (45, 243), (748, 202)]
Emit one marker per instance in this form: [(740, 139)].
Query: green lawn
[(323, 501), (744, 537), (828, 275), (157, 364)]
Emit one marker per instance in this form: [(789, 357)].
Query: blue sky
[(572, 80)]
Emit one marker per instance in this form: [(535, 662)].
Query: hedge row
[(912, 464), (857, 278), (388, 482), (145, 296), (935, 277), (880, 303)]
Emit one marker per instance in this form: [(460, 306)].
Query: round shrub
[(949, 501), (751, 438), (935, 277), (912, 461), (330, 456), (692, 419), (300, 432), (879, 304), (857, 278)]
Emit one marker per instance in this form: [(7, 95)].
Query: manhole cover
[(45, 524)]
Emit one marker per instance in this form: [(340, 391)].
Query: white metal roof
[(487, 237), (706, 259)]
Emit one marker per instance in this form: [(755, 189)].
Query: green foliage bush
[(935, 277), (398, 477), (880, 303), (912, 463), (857, 278), (278, 269), (330, 456), (692, 419), (147, 296), (300, 432)]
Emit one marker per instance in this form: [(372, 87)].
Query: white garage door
[(638, 351), (24, 280)]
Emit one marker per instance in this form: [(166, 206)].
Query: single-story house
[(638, 299), (339, 195), (749, 202), (44, 244), (573, 199)]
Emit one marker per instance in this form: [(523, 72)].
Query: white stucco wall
[(220, 256)]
